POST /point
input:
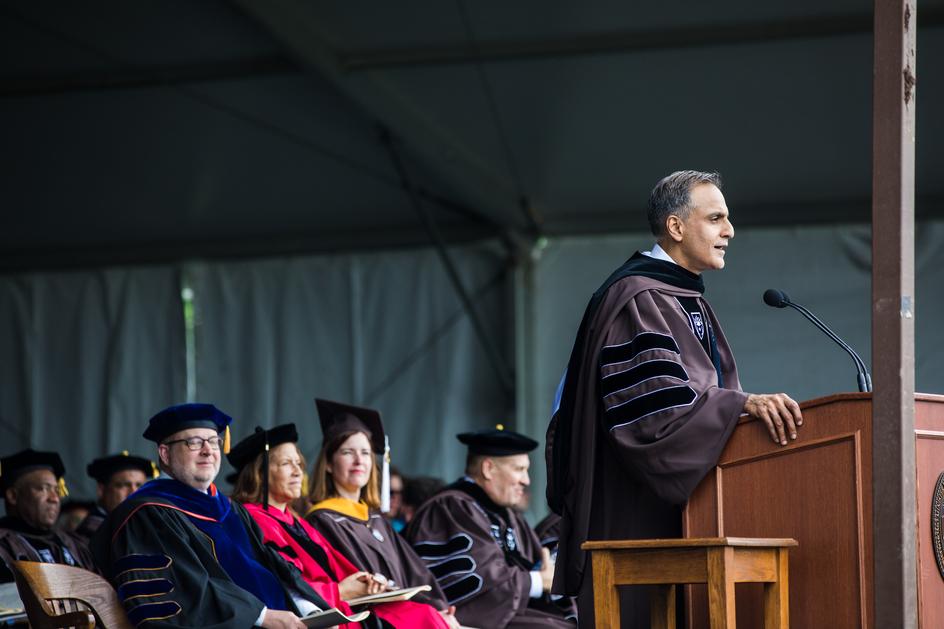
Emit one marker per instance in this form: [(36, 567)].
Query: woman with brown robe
[(345, 497)]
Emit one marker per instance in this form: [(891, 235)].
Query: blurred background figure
[(416, 491), (395, 515), (33, 486), (72, 513), (117, 477)]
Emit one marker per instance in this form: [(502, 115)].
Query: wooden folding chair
[(56, 595)]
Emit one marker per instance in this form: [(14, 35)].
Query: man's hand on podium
[(778, 411)]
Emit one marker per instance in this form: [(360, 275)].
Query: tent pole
[(893, 357)]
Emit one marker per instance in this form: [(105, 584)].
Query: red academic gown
[(273, 523)]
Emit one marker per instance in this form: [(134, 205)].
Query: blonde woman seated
[(270, 477), (345, 498)]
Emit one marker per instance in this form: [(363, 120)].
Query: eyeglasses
[(196, 443)]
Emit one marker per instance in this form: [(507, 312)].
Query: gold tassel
[(154, 471), (63, 490), (226, 441), (304, 484)]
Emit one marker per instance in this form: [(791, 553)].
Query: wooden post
[(893, 454)]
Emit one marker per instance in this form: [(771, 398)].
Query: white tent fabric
[(826, 268)]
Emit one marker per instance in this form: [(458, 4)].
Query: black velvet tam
[(245, 452), (497, 442), (183, 416), (102, 469), (15, 465)]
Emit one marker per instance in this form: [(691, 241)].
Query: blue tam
[(183, 416)]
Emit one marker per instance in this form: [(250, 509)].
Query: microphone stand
[(862, 374)]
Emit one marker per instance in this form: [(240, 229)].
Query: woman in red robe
[(267, 498)]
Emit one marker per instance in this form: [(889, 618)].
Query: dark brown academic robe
[(374, 546), (648, 421), (19, 541), (548, 532), (88, 526), (482, 555)]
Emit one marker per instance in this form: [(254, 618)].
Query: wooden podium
[(818, 490)]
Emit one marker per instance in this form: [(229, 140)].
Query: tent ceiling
[(145, 131)]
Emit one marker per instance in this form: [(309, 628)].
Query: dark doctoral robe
[(91, 522), (370, 542), (482, 554), (21, 542), (649, 399), (179, 557), (323, 566), (548, 532)]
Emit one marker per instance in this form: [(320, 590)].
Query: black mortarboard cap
[(102, 469), (15, 465), (249, 448), (497, 442), (183, 416), (337, 418)]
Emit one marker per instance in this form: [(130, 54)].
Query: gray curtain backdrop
[(384, 330), (85, 358), (827, 269)]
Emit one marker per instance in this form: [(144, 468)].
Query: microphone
[(779, 299)]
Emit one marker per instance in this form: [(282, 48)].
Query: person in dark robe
[(181, 554), (117, 477), (416, 491), (72, 513), (651, 393), (271, 471), (33, 484), (395, 515), (484, 554), (548, 532), (346, 498)]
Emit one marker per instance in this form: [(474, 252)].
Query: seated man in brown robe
[(32, 485), (487, 559)]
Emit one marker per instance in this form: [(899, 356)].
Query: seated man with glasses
[(180, 553)]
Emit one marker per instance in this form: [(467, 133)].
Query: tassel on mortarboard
[(385, 479), (226, 441), (154, 471), (63, 490), (264, 472)]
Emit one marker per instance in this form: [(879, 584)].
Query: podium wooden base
[(818, 490)]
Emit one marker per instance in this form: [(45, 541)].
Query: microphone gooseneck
[(779, 299)]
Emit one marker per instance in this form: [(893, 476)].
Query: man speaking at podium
[(651, 394)]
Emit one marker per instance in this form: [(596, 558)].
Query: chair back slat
[(49, 590)]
